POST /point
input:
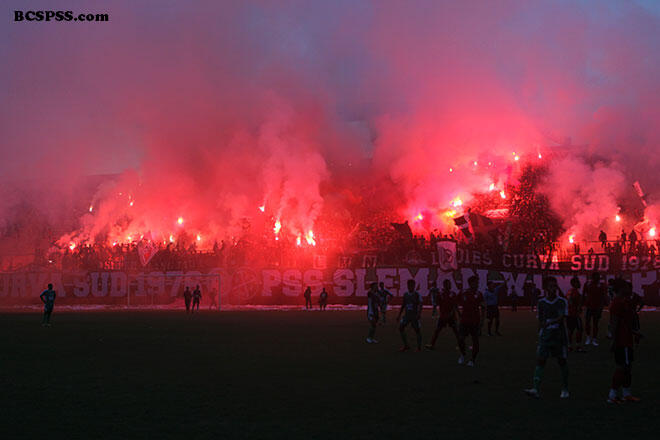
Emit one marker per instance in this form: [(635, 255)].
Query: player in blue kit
[(411, 308), (373, 306), (48, 298)]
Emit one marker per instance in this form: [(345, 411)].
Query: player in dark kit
[(373, 303), (595, 296), (196, 298), (187, 298), (384, 296), (412, 306), (472, 311), (514, 299), (622, 318), (48, 298), (492, 297), (574, 318), (308, 298), (323, 299), (433, 293), (552, 311), (447, 313)]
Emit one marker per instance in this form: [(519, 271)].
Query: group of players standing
[(463, 313), (559, 320)]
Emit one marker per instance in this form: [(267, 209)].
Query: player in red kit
[(472, 313), (446, 302), (574, 318), (622, 317), (595, 296)]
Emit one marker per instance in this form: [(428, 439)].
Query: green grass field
[(298, 375)]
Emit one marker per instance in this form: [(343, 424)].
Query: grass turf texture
[(298, 375)]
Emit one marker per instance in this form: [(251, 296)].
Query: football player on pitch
[(622, 318), (373, 304), (552, 311), (574, 318), (446, 301), (412, 306), (473, 311)]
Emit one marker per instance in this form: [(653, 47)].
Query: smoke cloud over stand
[(208, 111)]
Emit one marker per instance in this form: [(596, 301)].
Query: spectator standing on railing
[(624, 238), (632, 238), (602, 237)]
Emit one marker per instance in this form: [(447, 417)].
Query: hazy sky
[(289, 94)]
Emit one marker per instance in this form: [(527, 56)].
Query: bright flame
[(171, 238), (114, 243), (571, 239), (180, 220), (516, 158), (503, 194), (199, 237), (450, 213), (417, 217), (128, 238), (298, 240), (262, 208), (540, 157), (617, 218), (456, 202), (277, 227), (72, 245), (652, 232), (91, 208), (491, 187), (476, 163), (451, 170), (310, 238)]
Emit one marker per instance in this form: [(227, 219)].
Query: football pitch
[(295, 374)]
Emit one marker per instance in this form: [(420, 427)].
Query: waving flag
[(147, 250), (447, 255)]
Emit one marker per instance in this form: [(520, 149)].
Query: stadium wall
[(276, 286)]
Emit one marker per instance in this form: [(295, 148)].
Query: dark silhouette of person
[(323, 299), (308, 298), (514, 299), (602, 237), (187, 297), (632, 238), (48, 298), (196, 298)]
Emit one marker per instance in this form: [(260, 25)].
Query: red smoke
[(211, 111)]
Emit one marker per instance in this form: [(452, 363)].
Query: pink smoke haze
[(209, 110)]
